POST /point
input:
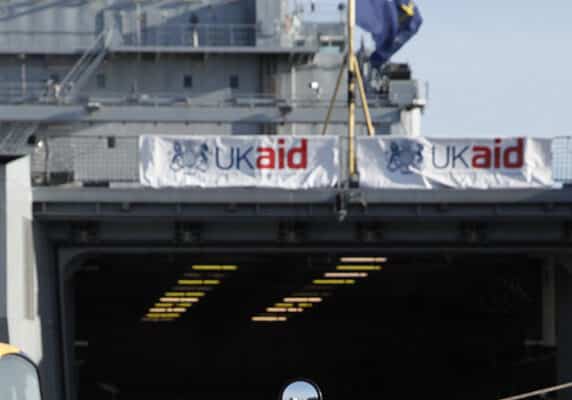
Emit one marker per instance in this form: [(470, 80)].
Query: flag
[(391, 23)]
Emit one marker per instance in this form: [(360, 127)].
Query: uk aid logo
[(192, 157), (406, 156)]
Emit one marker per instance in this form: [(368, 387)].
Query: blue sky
[(494, 67), (299, 390)]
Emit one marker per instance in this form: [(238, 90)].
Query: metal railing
[(66, 160), (162, 35), (197, 35), (562, 166), (21, 92), (216, 35), (52, 41), (168, 35), (162, 99), (38, 92), (323, 29), (115, 160)]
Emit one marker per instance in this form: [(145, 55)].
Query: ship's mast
[(351, 90)]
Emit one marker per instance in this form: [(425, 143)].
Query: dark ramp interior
[(449, 326)]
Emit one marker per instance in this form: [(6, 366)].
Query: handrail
[(10, 92), (191, 35), (207, 25), (539, 392), (85, 55), (85, 66), (45, 32)]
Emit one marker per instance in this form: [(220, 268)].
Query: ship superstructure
[(120, 290), (105, 72)]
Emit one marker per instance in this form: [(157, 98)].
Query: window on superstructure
[(100, 81), (234, 82), (188, 82)]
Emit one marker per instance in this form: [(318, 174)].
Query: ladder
[(80, 73)]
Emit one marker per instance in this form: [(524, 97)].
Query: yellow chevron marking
[(409, 9)]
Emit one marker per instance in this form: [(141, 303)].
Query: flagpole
[(351, 91)]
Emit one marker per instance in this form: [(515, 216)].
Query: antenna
[(342, 10)]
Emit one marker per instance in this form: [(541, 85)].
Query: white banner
[(240, 161), (462, 164)]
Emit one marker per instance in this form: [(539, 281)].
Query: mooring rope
[(539, 392)]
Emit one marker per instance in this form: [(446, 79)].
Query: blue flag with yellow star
[(391, 23)]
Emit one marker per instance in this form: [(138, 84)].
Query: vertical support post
[(195, 36), (549, 303), (51, 367), (366, 113), (351, 91), (138, 23), (24, 75), (66, 297), (4, 273), (564, 326), (292, 92)]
